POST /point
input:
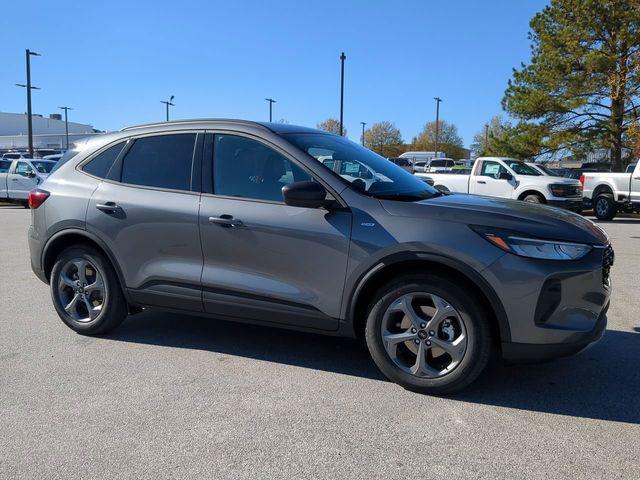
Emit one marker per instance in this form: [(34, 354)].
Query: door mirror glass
[(306, 194), (31, 174), (505, 176)]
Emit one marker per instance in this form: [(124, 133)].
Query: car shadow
[(601, 383)]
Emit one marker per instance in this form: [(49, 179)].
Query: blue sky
[(114, 61)]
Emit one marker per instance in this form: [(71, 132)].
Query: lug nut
[(432, 333), (422, 325), (413, 330), (416, 341), (428, 343)]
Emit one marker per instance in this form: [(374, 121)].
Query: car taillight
[(582, 180), (37, 197)]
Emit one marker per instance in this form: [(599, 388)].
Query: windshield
[(522, 168), (43, 167), (365, 170)]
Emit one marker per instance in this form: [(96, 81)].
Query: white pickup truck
[(610, 193), (19, 176), (511, 178)]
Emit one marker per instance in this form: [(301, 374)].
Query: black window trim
[(80, 166), (208, 168)]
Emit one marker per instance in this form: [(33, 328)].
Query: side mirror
[(304, 194), (505, 176), (31, 174)]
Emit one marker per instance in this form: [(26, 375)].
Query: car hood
[(540, 221)]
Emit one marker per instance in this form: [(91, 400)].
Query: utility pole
[(170, 102), (29, 87), (271, 102), (363, 124), (486, 139), (66, 124), (343, 57), (438, 100)]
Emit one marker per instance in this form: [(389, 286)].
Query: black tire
[(476, 321), (533, 198), (605, 207), (114, 306), (442, 188)]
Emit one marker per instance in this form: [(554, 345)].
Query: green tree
[(383, 138), (580, 89), (332, 125), (482, 140), (449, 141)]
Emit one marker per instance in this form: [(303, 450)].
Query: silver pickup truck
[(610, 193), (19, 176)]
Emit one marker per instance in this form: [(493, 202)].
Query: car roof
[(213, 122)]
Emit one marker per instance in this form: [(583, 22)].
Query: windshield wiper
[(406, 197)]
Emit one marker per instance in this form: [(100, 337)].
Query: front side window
[(99, 166), (23, 168), (492, 169), (246, 168), (162, 161), (365, 170)]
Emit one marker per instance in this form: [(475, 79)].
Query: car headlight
[(533, 247)]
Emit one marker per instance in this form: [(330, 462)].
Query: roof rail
[(196, 120)]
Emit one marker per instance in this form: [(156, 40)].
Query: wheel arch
[(386, 269), (532, 191), (602, 188), (73, 236)]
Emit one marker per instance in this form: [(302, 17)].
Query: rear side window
[(4, 166), (162, 161), (101, 164)]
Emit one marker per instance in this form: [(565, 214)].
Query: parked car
[(15, 155), (420, 166), (19, 177), (511, 178), (250, 222), (610, 192), (461, 169), (542, 169), (403, 163), (441, 165)]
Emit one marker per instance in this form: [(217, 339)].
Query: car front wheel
[(428, 334), (86, 292)]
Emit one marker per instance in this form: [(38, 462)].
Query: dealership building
[(48, 132)]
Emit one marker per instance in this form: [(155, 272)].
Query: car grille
[(574, 191), (607, 262)]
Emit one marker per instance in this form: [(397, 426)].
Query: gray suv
[(297, 228)]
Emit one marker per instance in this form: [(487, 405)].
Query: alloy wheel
[(81, 290), (424, 335)]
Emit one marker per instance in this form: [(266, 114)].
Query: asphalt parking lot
[(168, 396)]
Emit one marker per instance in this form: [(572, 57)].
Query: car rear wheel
[(605, 207), (86, 292), (427, 334)]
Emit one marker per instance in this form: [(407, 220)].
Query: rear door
[(264, 260), (21, 180), (487, 180), (146, 210)]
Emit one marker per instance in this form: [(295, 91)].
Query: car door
[(146, 211), (21, 180), (5, 166), (263, 260), (488, 181)]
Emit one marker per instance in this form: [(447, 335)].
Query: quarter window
[(163, 161), (101, 164), (248, 169)]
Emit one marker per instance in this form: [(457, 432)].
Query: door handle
[(226, 221), (482, 182), (108, 207), (14, 179)]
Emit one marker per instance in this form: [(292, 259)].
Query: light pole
[(343, 57), (271, 102), (66, 124), (438, 100), (363, 124), (29, 87), (486, 139), (170, 102)]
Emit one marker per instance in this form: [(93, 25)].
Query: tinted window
[(5, 165), (42, 166), (163, 161), (246, 168), (101, 164), (68, 155), (12, 155)]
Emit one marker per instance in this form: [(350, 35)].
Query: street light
[(271, 102), (170, 102), (363, 124), (438, 100), (343, 57), (29, 87), (66, 124)]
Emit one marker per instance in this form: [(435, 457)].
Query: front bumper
[(574, 205), (554, 308)]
